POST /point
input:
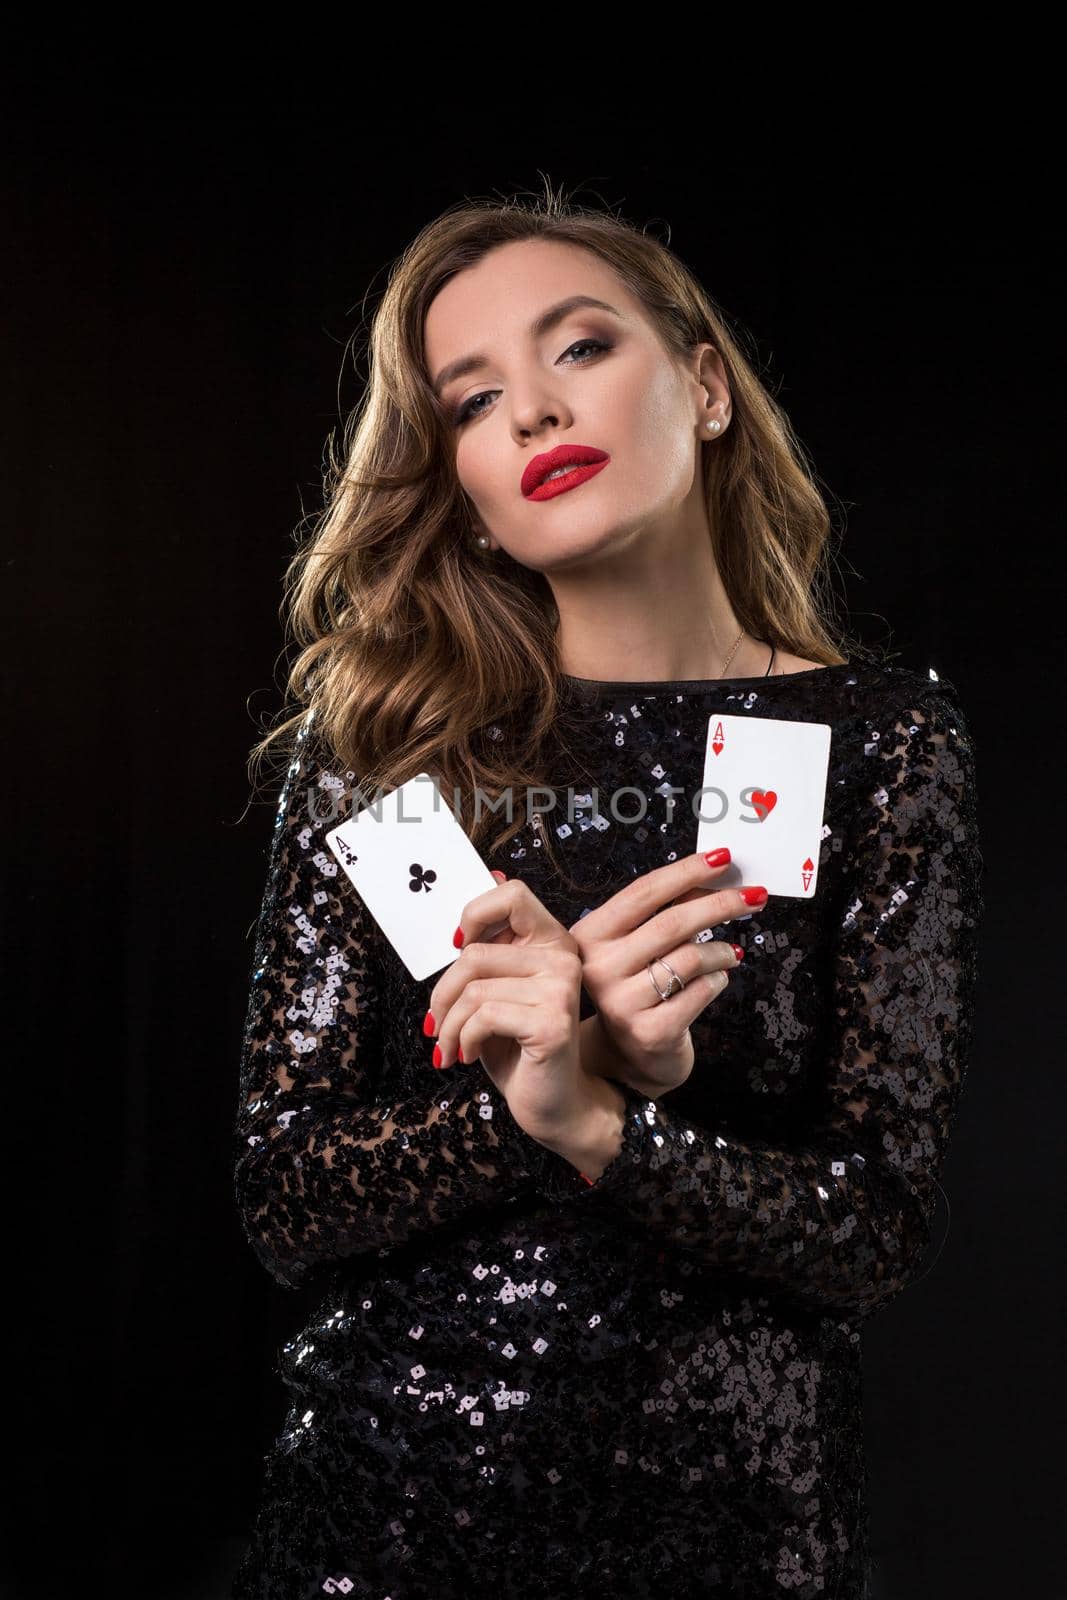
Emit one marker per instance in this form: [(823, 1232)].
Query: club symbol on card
[(764, 801), (421, 879), (806, 871), (347, 852)]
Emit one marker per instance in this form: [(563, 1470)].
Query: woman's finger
[(655, 1024), (481, 960), (639, 900), (515, 903), (509, 1020), (680, 923), (455, 1028), (692, 962), (499, 933)]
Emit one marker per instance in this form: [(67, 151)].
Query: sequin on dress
[(649, 1385)]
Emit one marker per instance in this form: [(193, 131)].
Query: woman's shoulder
[(923, 685), (892, 694), (866, 680)]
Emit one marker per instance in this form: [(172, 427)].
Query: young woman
[(595, 1218)]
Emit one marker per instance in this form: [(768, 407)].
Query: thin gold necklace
[(733, 652)]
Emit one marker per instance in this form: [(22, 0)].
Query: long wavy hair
[(419, 652)]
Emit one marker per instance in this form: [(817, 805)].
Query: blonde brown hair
[(419, 652)]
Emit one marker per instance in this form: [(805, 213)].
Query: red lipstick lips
[(581, 458)]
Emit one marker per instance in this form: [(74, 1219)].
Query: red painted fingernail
[(754, 897), (717, 858), (429, 1026), (459, 1052), (501, 877), (738, 952), (589, 1181), (437, 1055), (457, 938)]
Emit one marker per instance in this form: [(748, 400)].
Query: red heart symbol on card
[(764, 801), (716, 745)]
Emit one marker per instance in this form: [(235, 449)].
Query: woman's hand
[(512, 999), (643, 1040)]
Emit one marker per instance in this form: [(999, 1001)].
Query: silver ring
[(666, 993)]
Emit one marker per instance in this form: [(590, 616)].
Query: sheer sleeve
[(841, 1223), (327, 1164)]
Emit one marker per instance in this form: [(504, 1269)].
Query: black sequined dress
[(650, 1385)]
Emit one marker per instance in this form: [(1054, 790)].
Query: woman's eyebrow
[(542, 324)]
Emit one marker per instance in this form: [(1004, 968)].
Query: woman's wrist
[(601, 1059), (594, 1138)]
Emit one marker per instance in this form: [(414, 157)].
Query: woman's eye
[(467, 409)]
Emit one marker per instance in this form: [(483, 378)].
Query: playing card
[(764, 795), (415, 869)]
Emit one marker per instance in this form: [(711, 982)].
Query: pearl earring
[(716, 425), (483, 541)]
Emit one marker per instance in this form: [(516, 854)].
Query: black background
[(187, 250)]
